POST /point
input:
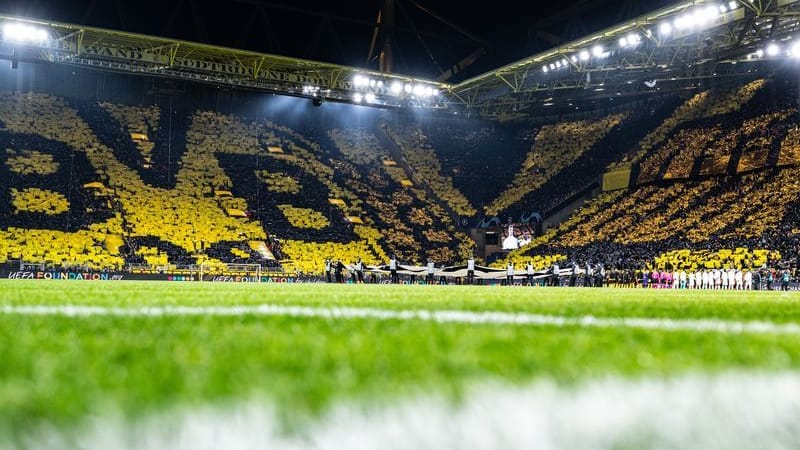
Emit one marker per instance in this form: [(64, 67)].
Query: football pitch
[(189, 365)]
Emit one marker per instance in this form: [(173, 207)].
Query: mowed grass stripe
[(444, 316), (61, 371), (775, 307)]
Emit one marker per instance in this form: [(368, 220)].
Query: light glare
[(19, 32), (773, 50)]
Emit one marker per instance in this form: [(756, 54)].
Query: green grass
[(59, 371)]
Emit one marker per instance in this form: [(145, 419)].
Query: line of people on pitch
[(717, 279), (588, 276), (335, 272)]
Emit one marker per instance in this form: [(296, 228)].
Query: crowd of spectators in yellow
[(427, 169), (555, 148)]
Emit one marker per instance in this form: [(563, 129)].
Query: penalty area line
[(440, 316)]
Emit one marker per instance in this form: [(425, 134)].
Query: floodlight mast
[(386, 62)]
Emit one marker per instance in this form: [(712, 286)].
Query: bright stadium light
[(665, 28), (407, 88), (18, 32), (370, 97), (310, 90), (795, 50), (760, 53), (360, 81), (419, 90), (733, 5), (773, 49), (358, 98), (704, 15), (634, 39), (397, 88), (584, 55), (599, 52)]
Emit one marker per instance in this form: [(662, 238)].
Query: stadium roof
[(667, 49), (36, 40), (672, 48)]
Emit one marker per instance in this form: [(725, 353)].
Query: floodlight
[(19, 32), (665, 28), (584, 55), (357, 97), (795, 50), (397, 88), (545, 69), (369, 97), (599, 52), (773, 49), (711, 12)]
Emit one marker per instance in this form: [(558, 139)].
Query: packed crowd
[(714, 174), (427, 169), (713, 133), (555, 147)]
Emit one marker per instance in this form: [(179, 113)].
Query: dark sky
[(339, 32)]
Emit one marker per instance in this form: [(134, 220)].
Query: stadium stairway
[(564, 210), (170, 144)]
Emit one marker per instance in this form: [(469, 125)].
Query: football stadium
[(563, 226)]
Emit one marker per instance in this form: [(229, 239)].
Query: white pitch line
[(442, 316)]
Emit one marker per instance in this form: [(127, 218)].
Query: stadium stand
[(103, 185), (555, 147), (515, 163), (417, 227), (477, 155), (427, 169), (236, 179)]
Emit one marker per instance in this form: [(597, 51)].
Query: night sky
[(340, 32)]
